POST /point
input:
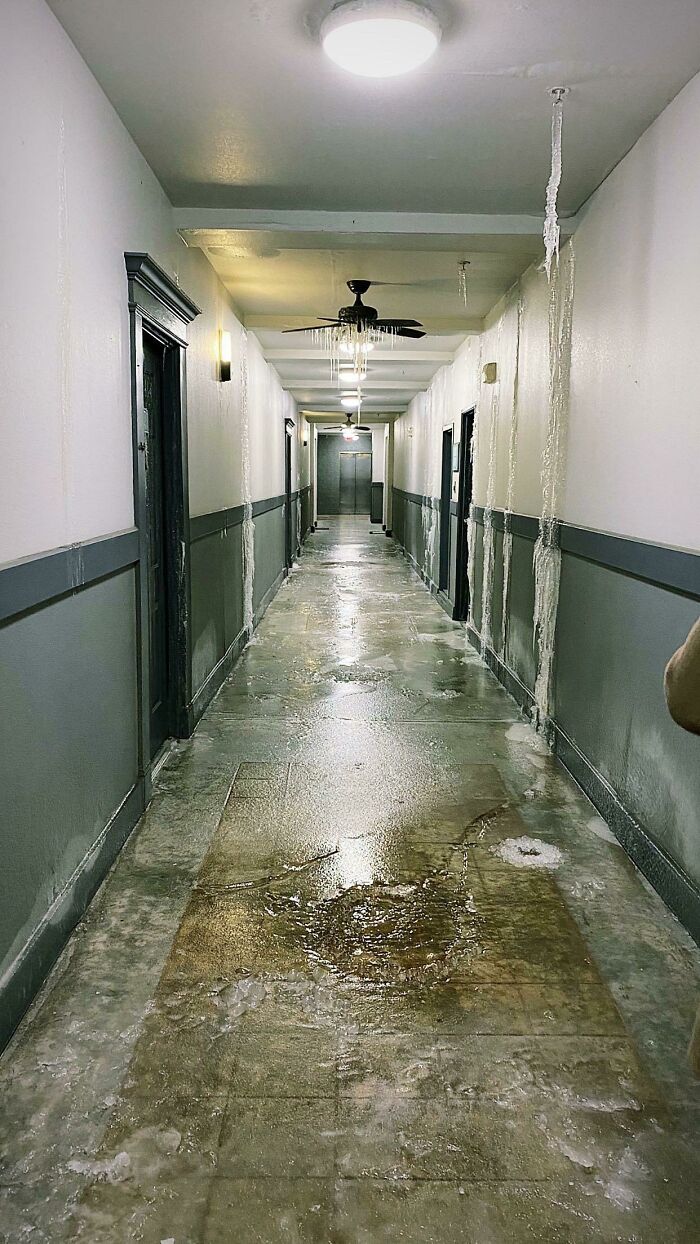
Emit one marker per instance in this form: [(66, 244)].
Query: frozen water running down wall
[(510, 491), (248, 524), (489, 532), (547, 556)]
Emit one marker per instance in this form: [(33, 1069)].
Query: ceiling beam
[(378, 356), (448, 224), (401, 384)]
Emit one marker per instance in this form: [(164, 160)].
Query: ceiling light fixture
[(351, 401), (350, 376), (380, 38)]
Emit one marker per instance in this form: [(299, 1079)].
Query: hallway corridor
[(328, 993)]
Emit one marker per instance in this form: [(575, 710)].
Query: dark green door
[(153, 360)]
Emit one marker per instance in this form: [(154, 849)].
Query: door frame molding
[(160, 308), (462, 602)]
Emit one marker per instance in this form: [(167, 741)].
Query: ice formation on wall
[(489, 530), (298, 531), (547, 556), (550, 232), (510, 489), (430, 519), (471, 524), (463, 280), (248, 524)]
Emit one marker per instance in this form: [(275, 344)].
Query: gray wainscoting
[(71, 791), (216, 557), (69, 761), (409, 529), (624, 607)]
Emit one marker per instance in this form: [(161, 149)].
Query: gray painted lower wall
[(216, 559), (69, 761), (624, 607), (413, 518), (68, 771)]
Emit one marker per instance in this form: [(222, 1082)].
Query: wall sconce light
[(224, 355), (289, 426), (306, 441)]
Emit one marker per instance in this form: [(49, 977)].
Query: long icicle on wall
[(471, 523), (547, 557), (248, 524), (489, 529), (510, 487)]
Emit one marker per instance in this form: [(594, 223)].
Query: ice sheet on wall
[(248, 523)]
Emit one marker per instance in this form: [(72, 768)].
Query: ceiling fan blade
[(397, 324), (409, 332), (309, 328), (361, 427)]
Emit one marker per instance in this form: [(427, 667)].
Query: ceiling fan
[(364, 318), (348, 426)]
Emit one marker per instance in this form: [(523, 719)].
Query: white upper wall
[(634, 423), (76, 195), (634, 447), (418, 433)]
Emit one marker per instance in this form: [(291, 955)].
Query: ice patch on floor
[(601, 829), (521, 732), (105, 1170), (587, 890), (528, 853), (382, 663)]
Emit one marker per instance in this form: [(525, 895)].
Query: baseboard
[(676, 889), (445, 603), (432, 587), (670, 882), (215, 679), (26, 975), (505, 675)]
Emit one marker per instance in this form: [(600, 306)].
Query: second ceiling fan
[(365, 319)]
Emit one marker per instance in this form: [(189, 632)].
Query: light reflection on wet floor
[(312, 1003)]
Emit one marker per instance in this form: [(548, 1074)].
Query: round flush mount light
[(351, 401), (380, 38)]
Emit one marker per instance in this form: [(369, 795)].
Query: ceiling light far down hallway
[(380, 38)]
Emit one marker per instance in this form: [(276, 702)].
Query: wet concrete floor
[(370, 969)]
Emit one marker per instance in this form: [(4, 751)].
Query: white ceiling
[(236, 108), (233, 102)]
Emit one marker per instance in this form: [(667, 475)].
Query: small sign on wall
[(455, 457), (455, 486)]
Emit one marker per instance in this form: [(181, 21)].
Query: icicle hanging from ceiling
[(463, 280), (551, 230)]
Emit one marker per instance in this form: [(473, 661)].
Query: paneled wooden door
[(160, 688)]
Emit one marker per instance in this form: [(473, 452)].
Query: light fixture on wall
[(380, 38), (224, 355)]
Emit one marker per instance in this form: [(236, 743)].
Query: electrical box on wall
[(455, 486), (490, 373)]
